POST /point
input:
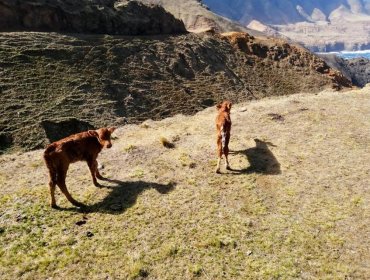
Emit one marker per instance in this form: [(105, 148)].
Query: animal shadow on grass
[(125, 194), (260, 158), (122, 196)]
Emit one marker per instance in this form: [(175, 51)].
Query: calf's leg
[(93, 166), (52, 180), (52, 185), (61, 182), (219, 152), (226, 151)]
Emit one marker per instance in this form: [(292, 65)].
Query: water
[(349, 55)]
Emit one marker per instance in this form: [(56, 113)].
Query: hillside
[(87, 16), (63, 83), (197, 17), (295, 207), (319, 25)]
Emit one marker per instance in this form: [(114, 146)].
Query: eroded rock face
[(197, 17), (279, 53), (99, 17), (357, 69)]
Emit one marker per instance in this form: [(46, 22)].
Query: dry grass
[(297, 208), (166, 143)]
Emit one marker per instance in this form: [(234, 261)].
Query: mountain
[(319, 25), (98, 17), (284, 11), (197, 17)]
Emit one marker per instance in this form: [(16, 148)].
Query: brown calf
[(223, 125), (84, 146)]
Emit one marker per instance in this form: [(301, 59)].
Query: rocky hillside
[(357, 69), (54, 82), (87, 16), (197, 17), (319, 25)]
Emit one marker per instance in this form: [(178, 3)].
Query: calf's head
[(224, 106), (104, 136)]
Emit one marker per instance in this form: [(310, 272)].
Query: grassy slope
[(109, 79), (299, 207)]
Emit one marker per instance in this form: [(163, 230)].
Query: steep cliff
[(357, 69)]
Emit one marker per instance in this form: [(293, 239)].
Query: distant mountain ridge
[(319, 25), (284, 11)]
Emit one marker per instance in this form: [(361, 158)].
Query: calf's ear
[(218, 106), (229, 105), (111, 129)]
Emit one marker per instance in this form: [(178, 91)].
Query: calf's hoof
[(228, 168), (218, 171), (79, 205)]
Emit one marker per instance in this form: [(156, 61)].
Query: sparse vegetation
[(130, 148), (100, 80), (158, 219)]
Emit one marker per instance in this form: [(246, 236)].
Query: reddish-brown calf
[(223, 125), (84, 146)]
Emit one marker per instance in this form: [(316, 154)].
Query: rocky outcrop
[(285, 55), (83, 16), (357, 69), (197, 16)]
